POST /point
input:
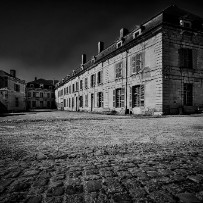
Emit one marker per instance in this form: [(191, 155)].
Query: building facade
[(12, 92), (157, 68), (40, 94)]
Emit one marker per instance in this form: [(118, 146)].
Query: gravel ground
[(81, 157)]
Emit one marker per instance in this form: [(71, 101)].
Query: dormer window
[(119, 44), (185, 23), (41, 85), (50, 87), (31, 85), (136, 33)]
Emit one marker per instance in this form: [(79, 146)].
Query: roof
[(3, 74), (170, 15), (44, 82)]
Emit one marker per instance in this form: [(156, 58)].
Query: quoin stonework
[(157, 68)]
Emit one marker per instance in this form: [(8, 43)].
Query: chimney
[(83, 59), (123, 32), (100, 47), (13, 73), (35, 78)]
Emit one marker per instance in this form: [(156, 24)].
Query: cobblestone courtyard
[(80, 157)]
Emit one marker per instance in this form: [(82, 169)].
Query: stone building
[(157, 68), (40, 94), (12, 92)]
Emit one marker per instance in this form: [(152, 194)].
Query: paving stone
[(188, 198), (195, 178), (161, 196), (93, 185), (113, 185), (121, 198), (41, 182), (54, 199), (55, 191), (35, 199), (74, 189), (31, 173), (79, 198)]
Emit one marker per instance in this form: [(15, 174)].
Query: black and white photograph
[(101, 101)]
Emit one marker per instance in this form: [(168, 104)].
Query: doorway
[(92, 101)]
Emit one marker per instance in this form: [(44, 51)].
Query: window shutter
[(122, 96), (142, 95), (102, 99), (142, 61), (132, 64), (101, 77), (97, 99), (114, 98), (130, 103)]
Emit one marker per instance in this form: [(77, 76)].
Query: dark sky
[(46, 38)]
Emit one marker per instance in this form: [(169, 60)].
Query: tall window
[(72, 102), (34, 94), (69, 102), (76, 85), (73, 88), (48, 95), (17, 87), (64, 91), (41, 94), (99, 77), (29, 94), (86, 83), (16, 102), (118, 97), (64, 102), (136, 63), (188, 94), (138, 95), (81, 84), (81, 101), (86, 100), (67, 90), (185, 58), (118, 69), (33, 104), (100, 99), (93, 80)]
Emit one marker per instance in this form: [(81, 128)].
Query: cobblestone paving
[(80, 157)]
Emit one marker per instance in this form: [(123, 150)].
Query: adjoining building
[(157, 68), (12, 92), (40, 94)]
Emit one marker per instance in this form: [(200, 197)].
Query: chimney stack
[(83, 59), (35, 78), (100, 47), (123, 32), (13, 73)]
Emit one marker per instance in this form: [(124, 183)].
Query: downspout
[(126, 81)]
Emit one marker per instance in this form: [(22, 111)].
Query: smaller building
[(40, 94), (12, 92)]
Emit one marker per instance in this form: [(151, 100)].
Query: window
[(99, 77), (136, 63), (29, 94), (138, 95), (72, 102), (81, 84), (100, 99), (136, 34), (119, 44), (81, 101), (52, 95), (76, 85), (69, 102), (86, 83), (48, 104), (17, 87), (16, 102), (31, 85), (118, 97), (188, 93), (66, 90), (86, 100), (50, 87), (185, 58), (64, 103), (41, 104), (41, 94), (34, 94), (185, 23), (61, 92), (41, 85), (48, 95), (69, 89), (119, 67), (33, 104), (93, 80), (73, 88)]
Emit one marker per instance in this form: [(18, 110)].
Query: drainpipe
[(126, 84)]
